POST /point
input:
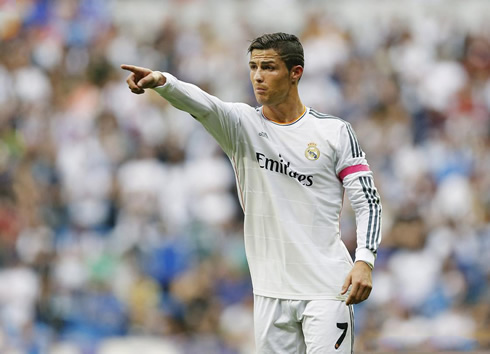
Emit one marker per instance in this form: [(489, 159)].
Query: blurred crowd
[(120, 231)]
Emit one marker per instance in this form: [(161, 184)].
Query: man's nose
[(258, 75)]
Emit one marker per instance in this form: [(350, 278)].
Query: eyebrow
[(263, 62)]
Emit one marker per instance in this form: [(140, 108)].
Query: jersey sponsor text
[(283, 167)]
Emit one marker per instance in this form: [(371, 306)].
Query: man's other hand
[(361, 281)]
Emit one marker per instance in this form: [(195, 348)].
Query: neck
[(285, 112)]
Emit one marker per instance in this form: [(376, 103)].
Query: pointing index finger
[(128, 67)]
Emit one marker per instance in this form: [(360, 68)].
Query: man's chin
[(260, 100)]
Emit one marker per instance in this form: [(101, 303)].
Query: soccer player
[(292, 166)]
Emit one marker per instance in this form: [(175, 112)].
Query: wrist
[(371, 266), (161, 79), (365, 255)]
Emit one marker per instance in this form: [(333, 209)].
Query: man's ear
[(296, 73)]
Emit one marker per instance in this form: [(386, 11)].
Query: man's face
[(270, 77)]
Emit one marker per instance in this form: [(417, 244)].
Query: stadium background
[(119, 227)]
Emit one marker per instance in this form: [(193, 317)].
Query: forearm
[(219, 118), (190, 98), (366, 203)]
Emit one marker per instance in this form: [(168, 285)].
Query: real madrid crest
[(312, 153)]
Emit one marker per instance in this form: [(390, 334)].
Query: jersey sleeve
[(219, 118), (353, 170)]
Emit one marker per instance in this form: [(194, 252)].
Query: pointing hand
[(142, 78)]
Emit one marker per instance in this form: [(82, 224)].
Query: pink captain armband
[(352, 169)]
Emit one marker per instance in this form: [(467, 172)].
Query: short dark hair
[(286, 45)]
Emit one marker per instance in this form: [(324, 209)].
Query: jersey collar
[(284, 124)]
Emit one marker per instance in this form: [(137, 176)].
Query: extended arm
[(219, 118)]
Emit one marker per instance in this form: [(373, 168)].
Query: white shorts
[(302, 326)]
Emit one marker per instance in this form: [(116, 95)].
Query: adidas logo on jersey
[(264, 135)]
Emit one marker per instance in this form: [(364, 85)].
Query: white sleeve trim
[(365, 255)]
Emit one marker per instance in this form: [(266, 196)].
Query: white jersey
[(291, 180)]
